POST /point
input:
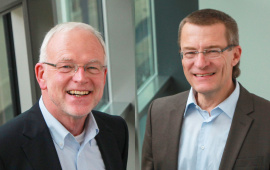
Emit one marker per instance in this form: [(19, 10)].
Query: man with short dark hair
[(217, 124), (62, 131)]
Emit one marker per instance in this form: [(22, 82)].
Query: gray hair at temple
[(65, 27), (206, 17)]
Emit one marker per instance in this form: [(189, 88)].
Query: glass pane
[(6, 105), (86, 11), (89, 12), (145, 58)]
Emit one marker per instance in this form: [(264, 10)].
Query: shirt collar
[(228, 105), (59, 132), (191, 100), (91, 129)]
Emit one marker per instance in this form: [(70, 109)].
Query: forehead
[(75, 44), (203, 35)]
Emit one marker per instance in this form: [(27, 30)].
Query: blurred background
[(141, 43)]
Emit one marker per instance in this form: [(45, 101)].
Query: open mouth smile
[(78, 93), (202, 75)]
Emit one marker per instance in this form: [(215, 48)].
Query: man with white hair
[(62, 131)]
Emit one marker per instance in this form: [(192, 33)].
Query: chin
[(78, 112), (203, 90), (77, 115)]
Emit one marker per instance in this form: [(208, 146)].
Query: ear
[(237, 51), (39, 70), (105, 74)]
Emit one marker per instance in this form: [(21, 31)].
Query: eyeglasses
[(67, 67), (210, 53)]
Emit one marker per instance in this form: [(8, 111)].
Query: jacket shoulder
[(107, 117), (14, 127), (261, 101), (261, 109), (249, 101), (113, 123), (171, 101)]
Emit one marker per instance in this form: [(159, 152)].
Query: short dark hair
[(206, 17)]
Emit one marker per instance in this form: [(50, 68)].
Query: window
[(145, 46), (89, 12), (86, 11), (9, 105)]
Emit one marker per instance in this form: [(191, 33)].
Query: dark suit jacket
[(26, 143), (247, 146)]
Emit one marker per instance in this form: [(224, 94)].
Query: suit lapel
[(38, 146), (241, 123), (174, 124), (108, 146)]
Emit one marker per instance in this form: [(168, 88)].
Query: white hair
[(65, 27)]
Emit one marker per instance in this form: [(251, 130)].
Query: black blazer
[(26, 143)]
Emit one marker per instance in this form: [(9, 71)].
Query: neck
[(74, 126)]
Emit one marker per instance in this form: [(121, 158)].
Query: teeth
[(78, 93), (201, 75)]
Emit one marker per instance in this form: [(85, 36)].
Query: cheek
[(224, 63), (186, 67), (98, 82), (101, 84), (226, 67), (57, 82)]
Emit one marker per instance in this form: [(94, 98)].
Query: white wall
[(254, 30)]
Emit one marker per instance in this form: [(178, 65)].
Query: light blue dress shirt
[(203, 137), (80, 154)]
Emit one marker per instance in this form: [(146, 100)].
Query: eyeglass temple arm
[(54, 65)]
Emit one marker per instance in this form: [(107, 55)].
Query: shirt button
[(202, 147)]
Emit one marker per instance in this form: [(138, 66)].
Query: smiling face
[(72, 95), (211, 77)]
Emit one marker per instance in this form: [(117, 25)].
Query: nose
[(200, 61), (80, 75)]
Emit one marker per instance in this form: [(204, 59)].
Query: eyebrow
[(213, 46), (71, 60), (208, 47), (89, 62), (188, 48), (95, 61), (65, 59)]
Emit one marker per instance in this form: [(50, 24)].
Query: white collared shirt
[(74, 153)]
